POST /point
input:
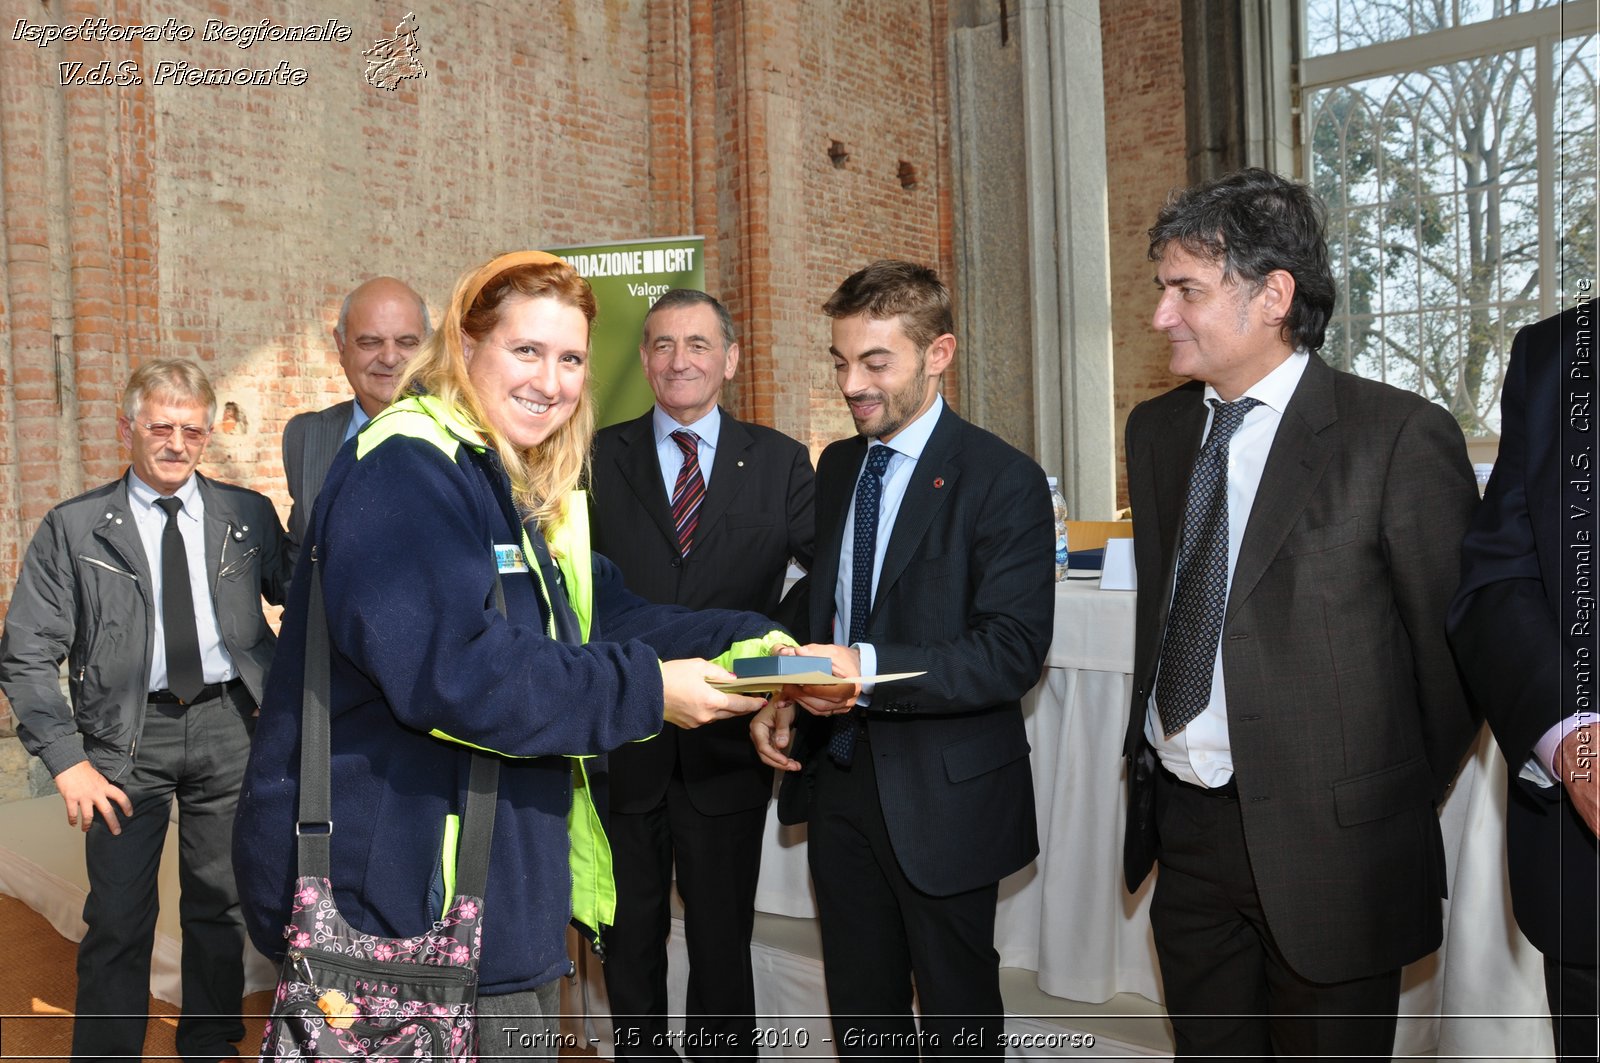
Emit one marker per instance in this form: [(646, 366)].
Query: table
[(1075, 719), (1068, 917)]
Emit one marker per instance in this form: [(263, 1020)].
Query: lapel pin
[(741, 465), (938, 481)]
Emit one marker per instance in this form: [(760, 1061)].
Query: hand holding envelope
[(771, 729), (829, 685), (693, 694), (825, 699)]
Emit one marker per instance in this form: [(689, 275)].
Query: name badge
[(509, 558)]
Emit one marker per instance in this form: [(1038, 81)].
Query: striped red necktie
[(689, 491)]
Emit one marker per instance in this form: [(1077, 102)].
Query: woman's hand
[(689, 699)]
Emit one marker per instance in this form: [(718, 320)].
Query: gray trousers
[(197, 754), (521, 1025)]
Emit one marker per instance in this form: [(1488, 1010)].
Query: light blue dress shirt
[(151, 521), (908, 445), (708, 428), (358, 417)]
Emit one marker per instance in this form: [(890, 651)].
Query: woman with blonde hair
[(469, 481)]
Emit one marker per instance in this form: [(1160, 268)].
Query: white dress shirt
[(1540, 767), (1200, 753), (908, 446), (708, 428), (216, 665)]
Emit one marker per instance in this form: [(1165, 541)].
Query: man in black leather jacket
[(164, 686)]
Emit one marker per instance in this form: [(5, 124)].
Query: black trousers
[(1229, 991), (881, 935), (196, 754), (718, 860), (1574, 995)]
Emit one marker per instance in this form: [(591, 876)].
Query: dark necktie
[(1189, 647), (869, 491), (689, 491), (185, 677)]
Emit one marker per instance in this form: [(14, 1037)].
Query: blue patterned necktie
[(869, 491), (1189, 648)]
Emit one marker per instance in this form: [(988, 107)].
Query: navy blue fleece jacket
[(406, 536)]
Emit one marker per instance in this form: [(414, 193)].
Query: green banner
[(627, 277)]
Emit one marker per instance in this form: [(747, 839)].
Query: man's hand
[(1579, 771), (86, 792), (771, 733), (690, 702), (826, 699)]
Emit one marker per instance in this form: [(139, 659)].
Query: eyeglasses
[(192, 433)]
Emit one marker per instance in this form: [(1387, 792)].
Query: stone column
[(1033, 260)]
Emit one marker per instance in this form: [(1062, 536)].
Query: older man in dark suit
[(701, 510), (934, 556), (1296, 713), (1524, 632), (381, 325)]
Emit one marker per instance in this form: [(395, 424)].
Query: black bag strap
[(314, 826), (562, 619)]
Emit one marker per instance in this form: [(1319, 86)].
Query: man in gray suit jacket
[(150, 587), (1296, 712), (381, 325)]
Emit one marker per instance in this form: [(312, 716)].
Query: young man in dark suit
[(1523, 630), (1296, 711), (701, 510), (381, 325), (934, 556)]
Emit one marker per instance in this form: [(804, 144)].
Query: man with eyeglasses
[(150, 588), (382, 323)]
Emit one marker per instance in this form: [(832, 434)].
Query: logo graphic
[(394, 59)]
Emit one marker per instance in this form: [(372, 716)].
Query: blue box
[(761, 667)]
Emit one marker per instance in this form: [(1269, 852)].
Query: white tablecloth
[(1068, 917), (1053, 913)]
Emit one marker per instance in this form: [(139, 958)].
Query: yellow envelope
[(767, 683)]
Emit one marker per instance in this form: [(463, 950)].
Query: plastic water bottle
[(1481, 472), (1059, 504)]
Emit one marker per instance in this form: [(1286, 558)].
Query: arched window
[(1454, 143)]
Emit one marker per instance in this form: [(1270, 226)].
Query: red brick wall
[(1142, 48), (224, 224), (796, 224)]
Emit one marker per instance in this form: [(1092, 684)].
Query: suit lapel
[(641, 471), (939, 465), (836, 482), (324, 444), (1172, 456), (1541, 471), (1294, 468), (728, 470)]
